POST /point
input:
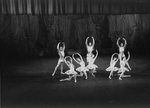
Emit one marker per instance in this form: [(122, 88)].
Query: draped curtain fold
[(84, 28), (63, 7), (20, 32), (133, 28), (61, 29)]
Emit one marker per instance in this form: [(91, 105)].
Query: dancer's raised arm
[(128, 56), (58, 45), (96, 55), (86, 41), (118, 42), (80, 56), (67, 62), (64, 46), (113, 56), (125, 42), (75, 59), (93, 41)]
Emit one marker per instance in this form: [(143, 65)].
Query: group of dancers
[(68, 60), (83, 69), (122, 59)]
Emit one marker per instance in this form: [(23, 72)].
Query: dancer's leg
[(128, 65), (126, 75), (68, 79), (111, 74), (56, 67), (75, 78), (120, 77), (84, 72), (61, 67)]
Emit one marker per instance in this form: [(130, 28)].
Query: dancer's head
[(79, 59), (121, 44), (115, 58), (90, 43), (61, 48)]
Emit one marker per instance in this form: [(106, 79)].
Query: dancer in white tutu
[(123, 68), (121, 48), (61, 53), (90, 48), (91, 66), (71, 72), (112, 67), (82, 69)]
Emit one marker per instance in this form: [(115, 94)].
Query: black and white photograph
[(75, 53)]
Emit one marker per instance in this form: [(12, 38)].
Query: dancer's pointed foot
[(62, 73)]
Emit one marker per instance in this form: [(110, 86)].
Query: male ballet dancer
[(61, 53)]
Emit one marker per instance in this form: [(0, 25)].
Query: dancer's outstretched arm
[(128, 60)]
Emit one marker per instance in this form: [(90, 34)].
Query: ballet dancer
[(82, 69), (71, 72), (112, 67), (61, 53), (121, 48), (90, 48), (91, 66), (122, 69)]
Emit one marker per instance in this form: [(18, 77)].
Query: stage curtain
[(65, 7), (134, 28), (19, 34), (61, 29), (84, 28)]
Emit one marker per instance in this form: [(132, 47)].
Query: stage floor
[(27, 83)]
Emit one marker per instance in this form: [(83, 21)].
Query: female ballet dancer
[(91, 66), (112, 67), (121, 48), (82, 69), (61, 53), (122, 69), (71, 72), (90, 48)]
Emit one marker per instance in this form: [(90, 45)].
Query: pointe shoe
[(62, 73), (120, 78)]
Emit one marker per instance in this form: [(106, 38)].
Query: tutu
[(112, 69)]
